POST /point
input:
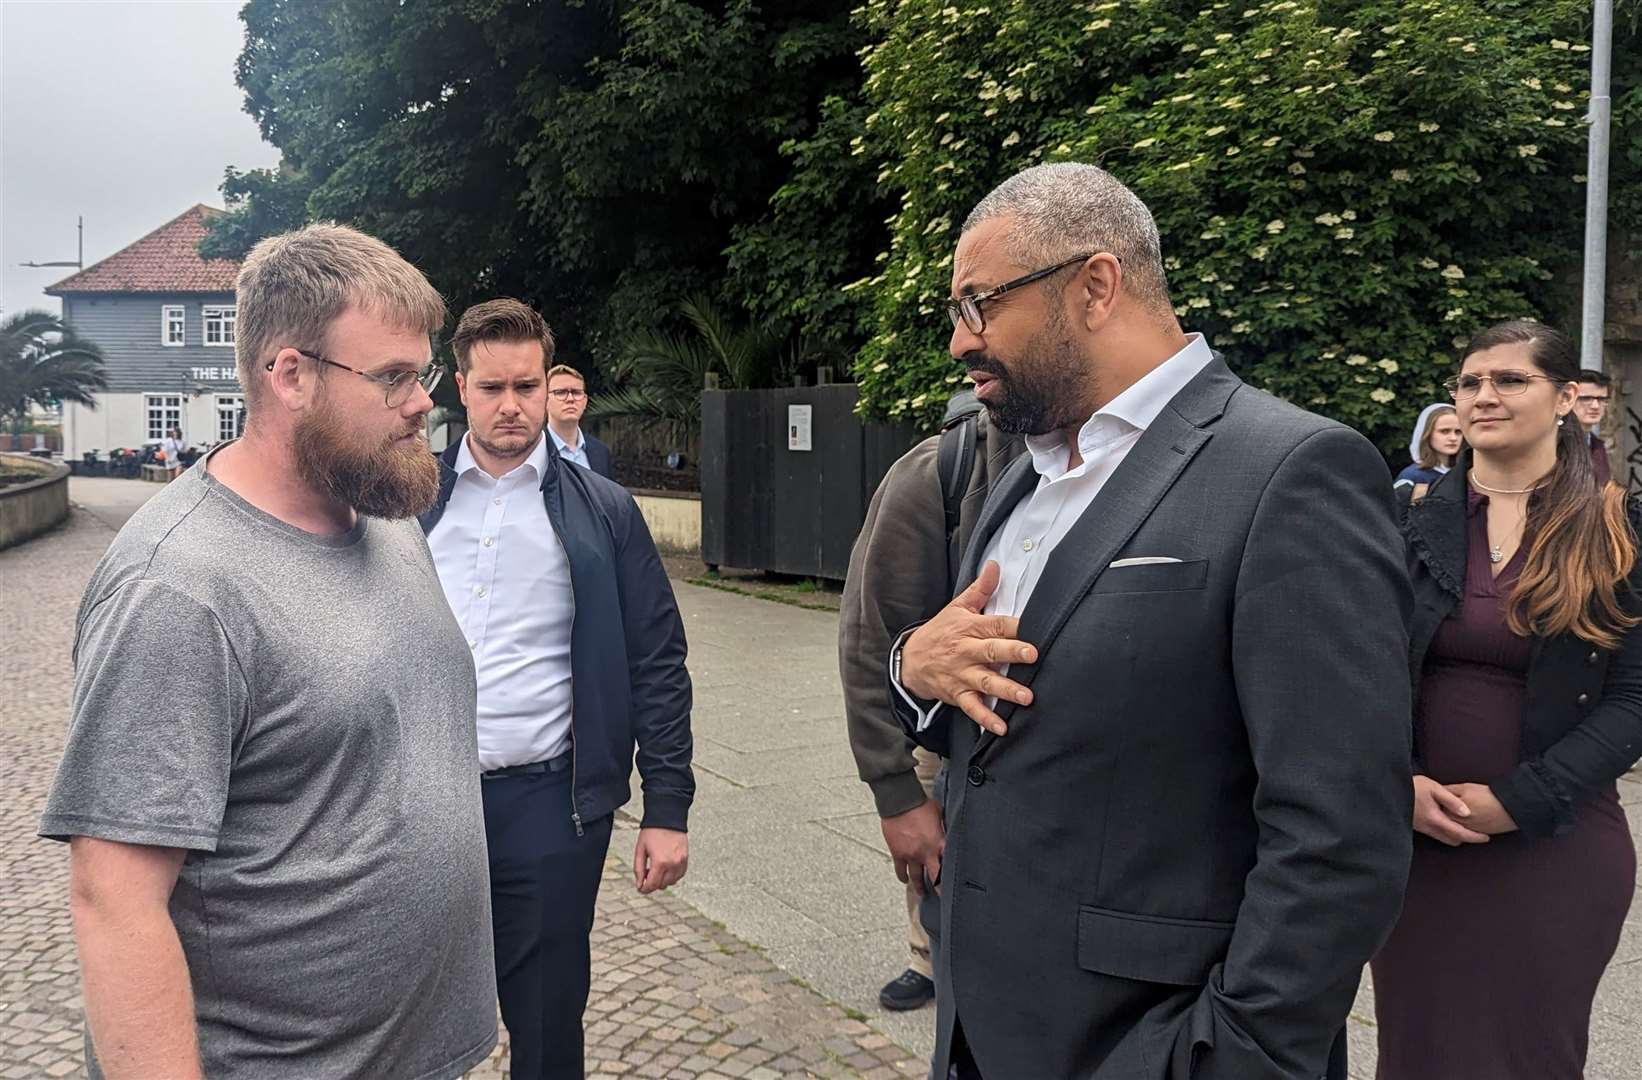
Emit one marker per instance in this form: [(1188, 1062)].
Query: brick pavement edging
[(677, 996)]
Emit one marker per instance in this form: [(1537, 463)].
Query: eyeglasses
[(967, 309), (1594, 399), (399, 383), (1506, 383), (567, 394)]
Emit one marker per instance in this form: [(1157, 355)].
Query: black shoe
[(908, 990)]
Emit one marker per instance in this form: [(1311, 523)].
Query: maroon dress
[(1491, 969)]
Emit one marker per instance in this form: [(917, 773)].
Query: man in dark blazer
[(566, 402), (1180, 823)]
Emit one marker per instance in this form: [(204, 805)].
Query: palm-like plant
[(43, 361), (658, 376)]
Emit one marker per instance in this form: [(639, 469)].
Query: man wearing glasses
[(1173, 692), (566, 402), (276, 838), (572, 627), (1595, 387)]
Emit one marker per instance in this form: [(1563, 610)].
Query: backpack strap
[(956, 458)]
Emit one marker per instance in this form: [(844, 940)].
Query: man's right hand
[(917, 840), (955, 656)]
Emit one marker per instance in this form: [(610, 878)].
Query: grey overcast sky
[(124, 111)]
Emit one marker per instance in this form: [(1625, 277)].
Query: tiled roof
[(164, 261)]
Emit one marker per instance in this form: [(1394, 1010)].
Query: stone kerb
[(31, 506)]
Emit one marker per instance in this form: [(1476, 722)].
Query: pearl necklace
[(1495, 554)]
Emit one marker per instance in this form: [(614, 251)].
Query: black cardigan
[(1582, 726)]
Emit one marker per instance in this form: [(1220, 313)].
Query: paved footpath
[(674, 993), (765, 961)]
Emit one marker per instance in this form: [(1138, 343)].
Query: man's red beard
[(391, 479)]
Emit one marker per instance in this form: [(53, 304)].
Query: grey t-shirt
[(297, 711)]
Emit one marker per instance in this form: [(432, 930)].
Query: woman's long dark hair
[(1580, 543)]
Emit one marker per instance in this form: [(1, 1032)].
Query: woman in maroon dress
[(1528, 706)]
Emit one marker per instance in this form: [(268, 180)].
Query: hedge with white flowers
[(1345, 190)]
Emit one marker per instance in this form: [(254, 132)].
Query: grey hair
[(1065, 208), (291, 288)]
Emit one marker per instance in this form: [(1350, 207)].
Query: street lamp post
[(79, 262), (1596, 189)]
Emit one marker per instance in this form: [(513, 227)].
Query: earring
[(1560, 421)]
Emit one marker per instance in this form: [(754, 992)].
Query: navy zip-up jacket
[(628, 679)]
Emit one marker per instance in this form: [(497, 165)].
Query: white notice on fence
[(798, 427)]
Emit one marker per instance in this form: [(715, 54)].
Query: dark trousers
[(544, 881), (963, 1065)]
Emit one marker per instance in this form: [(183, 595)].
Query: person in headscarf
[(1435, 445)]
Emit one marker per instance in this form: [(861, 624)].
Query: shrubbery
[(1344, 191)]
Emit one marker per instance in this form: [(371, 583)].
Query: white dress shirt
[(1023, 544), (578, 455), (507, 580)]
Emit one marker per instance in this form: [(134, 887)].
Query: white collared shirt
[(507, 580), (578, 455), (1024, 542), (1036, 526)]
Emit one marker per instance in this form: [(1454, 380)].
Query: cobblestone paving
[(674, 995)]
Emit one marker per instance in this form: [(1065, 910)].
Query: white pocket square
[(1145, 560)]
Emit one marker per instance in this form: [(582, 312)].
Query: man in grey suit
[(1179, 824)]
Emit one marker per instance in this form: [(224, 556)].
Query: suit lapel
[(1123, 505), (1017, 482)]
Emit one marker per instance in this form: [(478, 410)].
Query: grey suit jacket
[(1180, 857)]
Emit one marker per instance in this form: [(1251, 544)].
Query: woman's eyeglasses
[(1506, 383)]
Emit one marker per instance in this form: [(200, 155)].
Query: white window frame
[(166, 408), (228, 410), (224, 318), (168, 314)]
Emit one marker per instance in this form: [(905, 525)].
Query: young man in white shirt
[(579, 654), (566, 402)]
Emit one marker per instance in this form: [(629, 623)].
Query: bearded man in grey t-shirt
[(270, 785)]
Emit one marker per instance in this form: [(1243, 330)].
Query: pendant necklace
[(1495, 554)]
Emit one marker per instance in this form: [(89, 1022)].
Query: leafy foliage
[(822, 230), (1345, 189), (261, 202), (659, 375), (588, 158), (42, 362)]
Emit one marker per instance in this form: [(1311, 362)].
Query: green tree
[(261, 203), (43, 362), (592, 159), (1345, 190), (823, 228), (658, 375)]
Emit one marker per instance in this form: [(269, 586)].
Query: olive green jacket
[(900, 573)]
